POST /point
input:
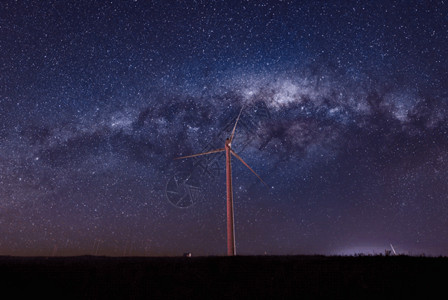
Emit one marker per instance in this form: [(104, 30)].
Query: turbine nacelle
[(228, 142)]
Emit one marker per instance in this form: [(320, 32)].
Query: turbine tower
[(231, 251)]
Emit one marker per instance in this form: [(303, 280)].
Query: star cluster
[(345, 111)]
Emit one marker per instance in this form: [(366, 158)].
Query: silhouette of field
[(240, 277)]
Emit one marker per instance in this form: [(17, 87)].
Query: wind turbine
[(231, 251)]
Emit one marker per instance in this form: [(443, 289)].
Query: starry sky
[(345, 117)]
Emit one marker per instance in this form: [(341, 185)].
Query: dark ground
[(241, 277)]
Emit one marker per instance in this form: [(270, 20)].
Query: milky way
[(344, 116)]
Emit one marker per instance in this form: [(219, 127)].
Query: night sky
[(345, 117)]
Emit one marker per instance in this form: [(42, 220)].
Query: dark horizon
[(225, 277)]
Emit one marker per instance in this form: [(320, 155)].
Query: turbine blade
[(204, 153), (237, 156), (395, 253), (234, 127)]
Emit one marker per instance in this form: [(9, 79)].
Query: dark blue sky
[(345, 117)]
